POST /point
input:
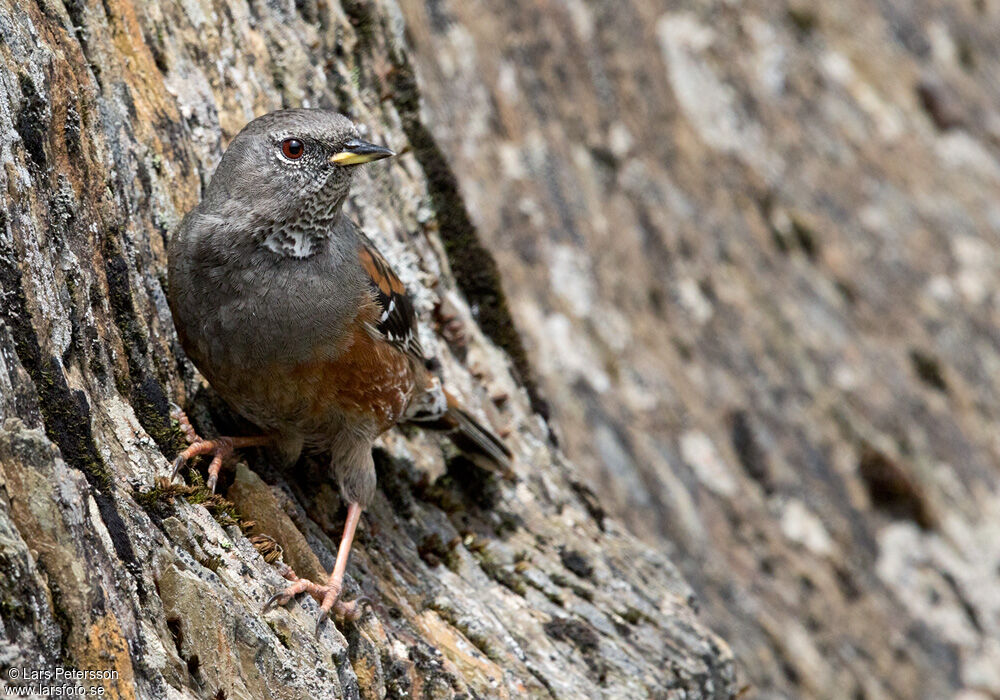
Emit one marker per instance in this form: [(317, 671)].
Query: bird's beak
[(357, 152)]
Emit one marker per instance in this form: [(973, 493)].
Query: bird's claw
[(178, 463), (328, 596), (277, 599)]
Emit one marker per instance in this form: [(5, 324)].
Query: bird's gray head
[(290, 165)]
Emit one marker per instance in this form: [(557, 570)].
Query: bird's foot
[(327, 595), (219, 448)]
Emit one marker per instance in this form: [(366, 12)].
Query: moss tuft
[(435, 551), (552, 596), (282, 637), (633, 616), (360, 15), (804, 19), (159, 501), (579, 590), (501, 574)]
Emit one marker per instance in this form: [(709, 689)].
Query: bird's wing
[(431, 405), (397, 320)]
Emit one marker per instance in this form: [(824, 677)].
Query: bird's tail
[(471, 437)]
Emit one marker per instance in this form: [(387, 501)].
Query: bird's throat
[(293, 242), (304, 235)]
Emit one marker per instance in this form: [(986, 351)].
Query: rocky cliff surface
[(751, 249), (113, 115)]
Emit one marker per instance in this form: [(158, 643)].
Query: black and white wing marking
[(397, 322)]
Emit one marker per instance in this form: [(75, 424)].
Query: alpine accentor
[(296, 319)]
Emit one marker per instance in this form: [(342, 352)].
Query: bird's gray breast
[(245, 307)]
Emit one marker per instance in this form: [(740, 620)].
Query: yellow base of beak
[(359, 152)]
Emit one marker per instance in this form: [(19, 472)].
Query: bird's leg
[(328, 595), (336, 581), (219, 448)]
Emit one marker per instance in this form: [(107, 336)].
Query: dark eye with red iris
[(292, 149)]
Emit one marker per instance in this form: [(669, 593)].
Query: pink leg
[(327, 595), (336, 581)]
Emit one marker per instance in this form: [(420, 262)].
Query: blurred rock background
[(113, 115), (751, 250)]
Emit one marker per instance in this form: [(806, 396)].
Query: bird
[(300, 324)]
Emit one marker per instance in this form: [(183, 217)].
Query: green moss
[(846, 290), (435, 551), (805, 237), (501, 574), (579, 590), (966, 54), (67, 422), (576, 562), (13, 610), (893, 489), (590, 502), (151, 501), (361, 18), (441, 493), (509, 523), (223, 511), (478, 637), (159, 501), (213, 563), (633, 616), (584, 638), (577, 633), (553, 597), (477, 486), (928, 369)]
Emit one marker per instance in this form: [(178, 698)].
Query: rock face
[(113, 115), (753, 250)]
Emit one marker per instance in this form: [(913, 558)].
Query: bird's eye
[(292, 149)]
